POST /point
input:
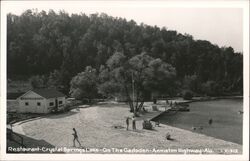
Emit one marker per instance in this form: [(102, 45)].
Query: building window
[(26, 103), (51, 104), (60, 102), (38, 103)]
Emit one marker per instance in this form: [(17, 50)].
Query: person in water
[(210, 121)]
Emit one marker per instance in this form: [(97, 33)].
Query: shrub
[(67, 108), (187, 95)]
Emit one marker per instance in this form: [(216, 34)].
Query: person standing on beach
[(127, 122), (167, 101), (133, 123), (75, 138)]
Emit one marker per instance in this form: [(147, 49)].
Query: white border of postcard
[(7, 6)]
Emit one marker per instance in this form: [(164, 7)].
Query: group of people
[(75, 136), (171, 103), (133, 122), (210, 122)]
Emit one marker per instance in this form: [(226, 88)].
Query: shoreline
[(221, 125), (99, 133), (201, 99)]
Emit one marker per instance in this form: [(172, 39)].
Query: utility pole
[(133, 90)]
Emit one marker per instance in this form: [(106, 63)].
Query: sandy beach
[(103, 126)]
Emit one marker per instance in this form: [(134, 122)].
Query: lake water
[(227, 122)]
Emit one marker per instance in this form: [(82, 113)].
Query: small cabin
[(41, 101)]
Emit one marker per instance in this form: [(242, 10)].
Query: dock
[(151, 114)]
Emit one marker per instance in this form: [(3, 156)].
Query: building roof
[(13, 95), (48, 93)]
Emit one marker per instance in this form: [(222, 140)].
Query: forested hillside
[(56, 47)]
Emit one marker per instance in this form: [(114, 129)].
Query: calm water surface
[(227, 122)]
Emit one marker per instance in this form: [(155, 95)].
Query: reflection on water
[(226, 119)]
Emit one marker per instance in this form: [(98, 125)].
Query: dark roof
[(48, 93), (13, 95)]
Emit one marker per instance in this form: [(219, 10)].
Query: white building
[(41, 101)]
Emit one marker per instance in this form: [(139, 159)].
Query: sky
[(220, 25)]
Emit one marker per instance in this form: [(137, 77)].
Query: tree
[(187, 94), (55, 80), (134, 78), (191, 82), (161, 77), (83, 85), (211, 88), (38, 81)]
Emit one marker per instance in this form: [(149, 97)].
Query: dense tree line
[(56, 47)]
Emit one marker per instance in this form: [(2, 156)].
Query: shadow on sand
[(61, 115), (16, 140)]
